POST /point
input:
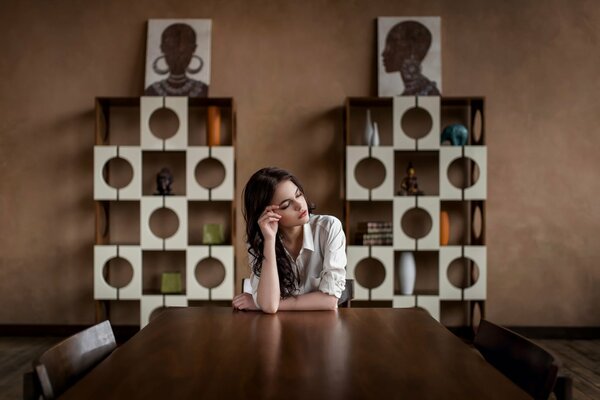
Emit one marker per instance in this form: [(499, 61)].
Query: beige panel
[(289, 65)]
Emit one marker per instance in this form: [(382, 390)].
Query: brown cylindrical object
[(213, 130), (444, 228)]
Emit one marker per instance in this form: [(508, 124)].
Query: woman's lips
[(303, 214)]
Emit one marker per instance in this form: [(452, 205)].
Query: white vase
[(407, 273), (375, 136), (368, 134)]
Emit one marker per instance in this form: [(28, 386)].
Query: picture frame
[(178, 55), (409, 56)]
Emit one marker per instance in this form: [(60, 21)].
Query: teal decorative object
[(456, 134), (212, 234)]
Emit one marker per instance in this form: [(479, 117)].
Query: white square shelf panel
[(450, 292), (131, 291), (431, 104), (178, 241), (385, 255), (431, 304), (225, 155), (426, 302), (450, 153), (131, 154), (354, 155), (195, 254), (179, 105), (150, 303), (431, 205), (404, 301)]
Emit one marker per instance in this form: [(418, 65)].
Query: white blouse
[(321, 263)]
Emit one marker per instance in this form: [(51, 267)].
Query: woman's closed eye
[(286, 203)]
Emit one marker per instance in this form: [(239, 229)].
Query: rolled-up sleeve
[(333, 276)]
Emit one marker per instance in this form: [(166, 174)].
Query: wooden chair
[(65, 363), (528, 365), (347, 294), (343, 301)]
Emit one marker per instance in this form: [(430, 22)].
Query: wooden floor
[(16, 354), (581, 360)]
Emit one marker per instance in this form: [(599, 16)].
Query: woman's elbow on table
[(332, 303), (269, 308)]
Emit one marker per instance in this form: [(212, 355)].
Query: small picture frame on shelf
[(178, 57), (409, 56)]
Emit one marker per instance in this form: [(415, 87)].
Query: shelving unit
[(139, 234), (451, 279)]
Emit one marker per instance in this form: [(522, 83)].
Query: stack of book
[(375, 233)]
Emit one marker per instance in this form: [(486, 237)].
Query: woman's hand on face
[(269, 222), (244, 301)]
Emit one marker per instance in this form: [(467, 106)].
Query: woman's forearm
[(309, 301), (268, 293)]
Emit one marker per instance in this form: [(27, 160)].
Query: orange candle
[(213, 126), (444, 228)]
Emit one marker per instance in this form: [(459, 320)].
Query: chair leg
[(563, 388), (31, 386)]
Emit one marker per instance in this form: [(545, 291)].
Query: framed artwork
[(178, 57), (409, 56)]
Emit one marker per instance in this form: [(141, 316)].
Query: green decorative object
[(170, 282), (213, 234)]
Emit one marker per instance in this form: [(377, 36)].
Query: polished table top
[(209, 352)]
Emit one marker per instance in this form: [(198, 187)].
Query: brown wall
[(290, 65)]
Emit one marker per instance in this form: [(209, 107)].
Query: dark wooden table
[(200, 353)]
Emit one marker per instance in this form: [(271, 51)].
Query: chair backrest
[(347, 294), (65, 363), (343, 301), (528, 365)]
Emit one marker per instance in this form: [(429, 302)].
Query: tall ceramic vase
[(368, 134), (213, 129), (375, 136), (407, 273)]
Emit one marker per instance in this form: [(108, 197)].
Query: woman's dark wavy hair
[(257, 195)]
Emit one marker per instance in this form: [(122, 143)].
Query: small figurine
[(409, 185), (456, 134), (164, 179)]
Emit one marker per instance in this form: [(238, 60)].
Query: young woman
[(298, 259)]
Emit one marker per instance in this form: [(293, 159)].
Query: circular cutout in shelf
[(477, 224), (463, 273), (209, 272), (163, 123), (117, 172), (210, 173), (458, 172), (117, 272), (477, 127), (164, 222), (416, 122), (369, 173), (416, 223), (476, 316), (369, 273)]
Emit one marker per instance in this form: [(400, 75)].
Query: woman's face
[(292, 204)]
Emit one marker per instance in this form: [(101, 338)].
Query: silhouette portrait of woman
[(406, 45), (178, 44)]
